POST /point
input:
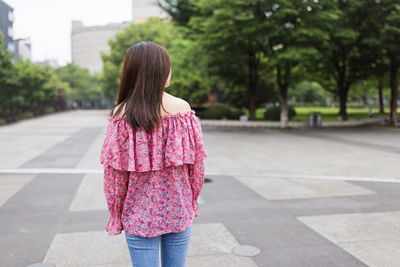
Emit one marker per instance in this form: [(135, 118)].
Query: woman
[(153, 161)]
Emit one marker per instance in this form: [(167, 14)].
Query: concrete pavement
[(260, 194)]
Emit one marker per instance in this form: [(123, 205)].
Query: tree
[(26, 87), (238, 35), (187, 78), (154, 29), (309, 93), (232, 37), (82, 86), (8, 82), (340, 63), (390, 32), (368, 22), (180, 10), (290, 29), (379, 23), (36, 86)]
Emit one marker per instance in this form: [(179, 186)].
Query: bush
[(219, 111), (25, 115), (274, 113), (48, 110)]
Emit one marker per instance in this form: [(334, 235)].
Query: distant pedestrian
[(153, 161)]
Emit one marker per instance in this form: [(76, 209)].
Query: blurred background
[(267, 60)]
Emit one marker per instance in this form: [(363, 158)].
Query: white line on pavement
[(324, 177), (50, 170), (292, 176)]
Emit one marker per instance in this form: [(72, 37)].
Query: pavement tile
[(91, 158), (285, 188), (220, 260), (307, 256), (87, 248), (90, 194), (67, 153), (341, 228), (210, 244), (375, 253), (211, 239), (10, 184), (390, 190), (338, 205)]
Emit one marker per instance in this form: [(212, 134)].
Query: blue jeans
[(144, 251)]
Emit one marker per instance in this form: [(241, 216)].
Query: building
[(48, 62), (143, 9), (22, 49), (6, 25), (87, 43)]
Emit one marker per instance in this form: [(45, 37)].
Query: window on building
[(11, 16)]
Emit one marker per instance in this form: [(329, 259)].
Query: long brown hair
[(143, 77)]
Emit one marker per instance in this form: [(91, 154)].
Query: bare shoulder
[(185, 106), (175, 104)]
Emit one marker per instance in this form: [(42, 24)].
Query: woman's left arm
[(115, 189)]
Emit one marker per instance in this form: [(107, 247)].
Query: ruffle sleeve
[(178, 140), (115, 190)]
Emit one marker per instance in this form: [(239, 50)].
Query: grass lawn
[(328, 113), (331, 114)]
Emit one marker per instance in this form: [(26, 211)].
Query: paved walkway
[(303, 197)]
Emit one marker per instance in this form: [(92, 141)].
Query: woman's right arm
[(196, 178)]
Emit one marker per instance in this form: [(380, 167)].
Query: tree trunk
[(252, 107), (343, 104), (282, 79), (380, 93), (284, 106), (394, 90), (342, 81), (252, 70)]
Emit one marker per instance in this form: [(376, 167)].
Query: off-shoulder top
[(152, 180)]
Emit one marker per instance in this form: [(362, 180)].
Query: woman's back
[(152, 180)]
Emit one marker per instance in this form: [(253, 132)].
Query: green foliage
[(274, 113), (367, 89), (309, 93), (155, 30), (220, 111), (35, 83), (81, 84), (33, 88), (180, 10), (381, 37), (249, 51), (232, 37), (346, 53), (24, 116), (7, 78), (27, 89), (187, 78)]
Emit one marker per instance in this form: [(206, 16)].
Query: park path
[(260, 193)]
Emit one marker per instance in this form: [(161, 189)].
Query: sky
[(48, 22)]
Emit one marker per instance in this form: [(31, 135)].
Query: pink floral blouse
[(152, 180)]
